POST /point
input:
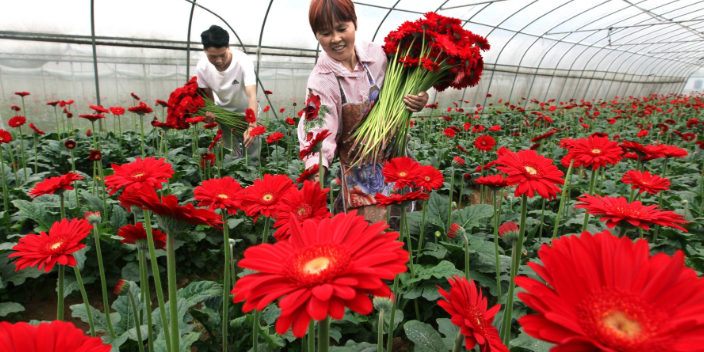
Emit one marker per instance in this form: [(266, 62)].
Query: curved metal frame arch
[(384, 19), (188, 42), (259, 57)]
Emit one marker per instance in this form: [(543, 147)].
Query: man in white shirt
[(227, 77)]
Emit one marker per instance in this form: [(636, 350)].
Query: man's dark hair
[(215, 36)]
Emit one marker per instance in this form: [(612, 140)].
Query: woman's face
[(338, 41)]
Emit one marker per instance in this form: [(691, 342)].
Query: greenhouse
[(352, 176)]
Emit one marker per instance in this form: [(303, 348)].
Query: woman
[(347, 78)]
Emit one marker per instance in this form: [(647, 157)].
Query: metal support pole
[(95, 57), (188, 42)]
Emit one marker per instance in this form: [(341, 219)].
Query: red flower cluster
[(274, 137), (616, 210), (57, 336), (55, 184), (306, 204), (220, 193), (17, 121), (183, 102), (44, 251), (645, 182), (532, 172), (141, 109), (148, 172), (593, 151), (484, 143), (137, 235)]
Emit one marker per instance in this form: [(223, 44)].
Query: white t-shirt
[(228, 86)]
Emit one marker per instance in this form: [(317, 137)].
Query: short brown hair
[(322, 13)]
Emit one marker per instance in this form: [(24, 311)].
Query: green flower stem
[(542, 219), (157, 279), (173, 299), (515, 263), (311, 336), (324, 335), (466, 255), (75, 183), (140, 342), (422, 228), (380, 333), (459, 201), (404, 226), (24, 159), (562, 199), (119, 125), (225, 281), (5, 196), (58, 126), (105, 196), (147, 299), (449, 206), (141, 133), (255, 331), (496, 245), (321, 177), (390, 333), (79, 279), (34, 137), (102, 281), (62, 207), (60, 303), (12, 165), (458, 342), (592, 184)]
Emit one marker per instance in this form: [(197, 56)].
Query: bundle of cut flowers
[(184, 102), (434, 51)]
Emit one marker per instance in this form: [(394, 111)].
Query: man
[(227, 77)]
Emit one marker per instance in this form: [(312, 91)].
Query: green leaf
[(196, 292), (434, 250), (8, 273), (94, 203), (79, 311), (442, 270), (470, 216), (7, 245), (352, 346), (130, 272), (115, 342), (36, 212), (71, 284), (123, 306), (118, 218), (232, 223), (425, 338), (529, 343), (437, 210), (9, 308)]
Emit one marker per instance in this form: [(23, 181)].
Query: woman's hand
[(249, 140), (209, 117), (415, 103)]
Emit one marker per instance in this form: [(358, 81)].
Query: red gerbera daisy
[(495, 182), (148, 172), (15, 108), (173, 218), (643, 152), (274, 137), (5, 137), (645, 182), (542, 136), (137, 235), (17, 121), (604, 293), (56, 184), (595, 152), (322, 268), (671, 151), (290, 121), (308, 174), (208, 126), (257, 131), (134, 96), (207, 157), (468, 309), (140, 109), (44, 251), (449, 132), (69, 144), (95, 155), (617, 210), (308, 203), (22, 94), (315, 144), (429, 178), (57, 336), (402, 171), (250, 116), (383, 201), (220, 193), (532, 172), (484, 143), (92, 117), (162, 103), (99, 109), (35, 129), (263, 197)]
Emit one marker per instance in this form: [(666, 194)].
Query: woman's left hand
[(415, 103)]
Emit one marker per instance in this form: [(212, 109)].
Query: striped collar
[(326, 64)]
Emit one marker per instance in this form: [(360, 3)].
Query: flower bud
[(438, 233), (383, 304), (122, 288), (458, 161), (93, 217), (454, 230), (509, 232)]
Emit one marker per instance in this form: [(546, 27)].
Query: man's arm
[(209, 117), (254, 105)]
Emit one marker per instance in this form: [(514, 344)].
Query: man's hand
[(249, 140), (209, 117), (415, 103)]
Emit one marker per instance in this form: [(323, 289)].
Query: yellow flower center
[(427, 178), (302, 211), (402, 174), (268, 197), (620, 325), (596, 151), (531, 170), (137, 175), (223, 196), (316, 265), (56, 245)]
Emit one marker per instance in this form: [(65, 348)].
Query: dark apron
[(361, 182)]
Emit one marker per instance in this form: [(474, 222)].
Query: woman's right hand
[(209, 117)]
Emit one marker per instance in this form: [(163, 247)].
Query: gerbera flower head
[(274, 137), (468, 310), (429, 178), (134, 96), (207, 158), (484, 143), (316, 143), (137, 235), (257, 131), (117, 111), (595, 152), (55, 185), (95, 155), (99, 109), (35, 129), (290, 121), (250, 116), (532, 173), (162, 103), (604, 293), (17, 121), (383, 201), (618, 211), (645, 153), (308, 203), (308, 174), (122, 287), (495, 182), (402, 171), (70, 144), (455, 228), (22, 94), (671, 151), (265, 194), (220, 193), (44, 251), (141, 109), (93, 217), (449, 132), (92, 117), (543, 136), (173, 218), (55, 336), (5, 137), (208, 126), (148, 172), (645, 182), (16, 108), (458, 161), (509, 232), (322, 269)]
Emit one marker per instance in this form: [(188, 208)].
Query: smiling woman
[(343, 88)]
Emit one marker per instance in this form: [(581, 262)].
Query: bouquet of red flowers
[(434, 51), (185, 102)]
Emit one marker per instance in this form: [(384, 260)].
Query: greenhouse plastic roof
[(539, 48)]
